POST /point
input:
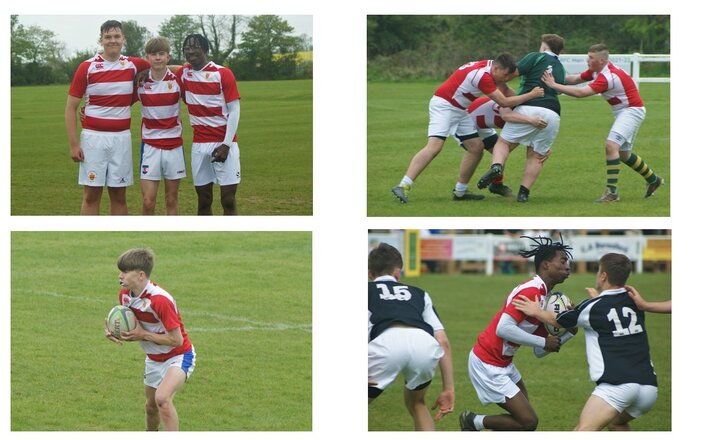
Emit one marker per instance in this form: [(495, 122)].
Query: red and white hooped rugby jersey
[(486, 113), (161, 126), (156, 312), (492, 349), (616, 86), (467, 83), (206, 93), (108, 87)]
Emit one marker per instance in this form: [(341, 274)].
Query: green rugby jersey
[(531, 69)]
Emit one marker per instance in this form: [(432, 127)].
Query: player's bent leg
[(227, 199), (423, 157), (152, 413), (596, 415), (621, 422), (205, 199), (149, 192), (174, 380), (521, 415), (118, 203), (172, 188), (415, 403), (471, 158), (92, 195)]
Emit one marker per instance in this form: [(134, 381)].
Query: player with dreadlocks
[(490, 364)]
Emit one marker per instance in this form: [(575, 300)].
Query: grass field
[(558, 384), (572, 178), (274, 135), (245, 299)]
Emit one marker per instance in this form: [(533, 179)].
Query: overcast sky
[(80, 32)]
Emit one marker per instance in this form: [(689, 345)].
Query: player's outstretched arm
[(512, 101), (446, 400), (647, 306), (578, 92), (533, 309), (511, 116)]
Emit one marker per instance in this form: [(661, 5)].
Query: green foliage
[(135, 38), (245, 300), (571, 179), (433, 46), (267, 49), (276, 164), (176, 28), (558, 384)]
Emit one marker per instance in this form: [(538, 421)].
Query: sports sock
[(638, 164), (499, 180), (613, 169), (406, 181), (478, 422), (460, 189)]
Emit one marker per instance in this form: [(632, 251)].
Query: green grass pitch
[(558, 384), (572, 178), (245, 299), (274, 135)]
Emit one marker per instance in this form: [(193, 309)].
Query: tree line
[(255, 48), (402, 47)]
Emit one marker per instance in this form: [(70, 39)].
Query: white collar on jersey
[(617, 291), (143, 291), (385, 278), (551, 53)]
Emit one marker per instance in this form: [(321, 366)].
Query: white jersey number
[(627, 312), (399, 293)]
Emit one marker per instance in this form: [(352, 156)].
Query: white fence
[(575, 64)]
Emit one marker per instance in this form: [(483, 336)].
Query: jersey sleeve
[(600, 84), (510, 309), (587, 75), (486, 84), (167, 313), (568, 318), (229, 85), (79, 82), (140, 63), (430, 314)]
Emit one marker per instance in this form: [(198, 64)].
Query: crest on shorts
[(92, 175), (145, 169)]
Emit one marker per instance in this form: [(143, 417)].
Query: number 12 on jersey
[(627, 312)]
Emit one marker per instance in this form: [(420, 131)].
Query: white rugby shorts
[(626, 126), (155, 371), (447, 120), (157, 164), (410, 351), (633, 398), (108, 158), (493, 384), (204, 171), (540, 139)]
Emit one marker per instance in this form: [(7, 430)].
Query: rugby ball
[(120, 319), (556, 302)]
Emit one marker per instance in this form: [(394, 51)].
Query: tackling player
[(490, 362), (538, 140), (104, 149), (620, 91), (405, 336), (616, 342), (448, 116), (213, 101), (162, 155), (170, 354)]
